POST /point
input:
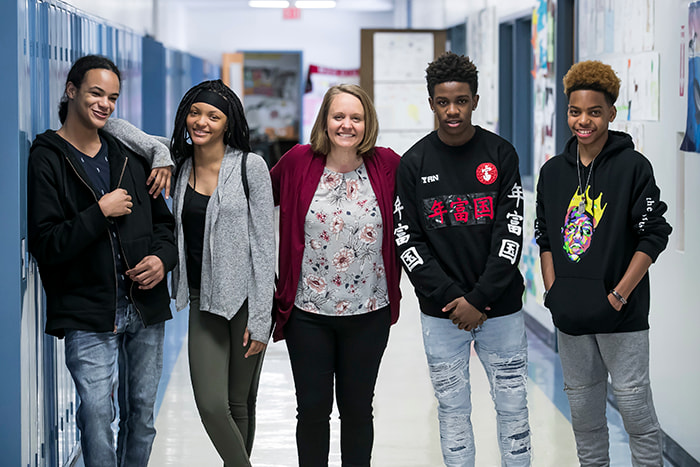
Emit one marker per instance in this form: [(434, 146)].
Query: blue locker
[(152, 90), (43, 38), (12, 34)]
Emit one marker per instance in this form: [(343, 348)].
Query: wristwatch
[(544, 295)]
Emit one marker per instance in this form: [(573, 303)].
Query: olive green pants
[(225, 383)]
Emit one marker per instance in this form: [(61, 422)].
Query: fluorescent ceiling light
[(268, 4), (315, 4)]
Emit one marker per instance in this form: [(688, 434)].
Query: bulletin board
[(622, 35), (392, 71)]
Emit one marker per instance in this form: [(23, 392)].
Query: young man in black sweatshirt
[(600, 225), (458, 230)]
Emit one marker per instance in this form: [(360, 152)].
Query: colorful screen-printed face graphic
[(578, 233), (582, 218)]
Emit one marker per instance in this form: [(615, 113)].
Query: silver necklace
[(582, 203)]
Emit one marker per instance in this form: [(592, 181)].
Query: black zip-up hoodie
[(70, 237), (591, 250)]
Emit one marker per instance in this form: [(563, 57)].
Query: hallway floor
[(406, 428)]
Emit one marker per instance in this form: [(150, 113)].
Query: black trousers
[(349, 349)]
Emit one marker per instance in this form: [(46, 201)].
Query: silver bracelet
[(619, 297)]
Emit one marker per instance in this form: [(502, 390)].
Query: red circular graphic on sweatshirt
[(487, 173)]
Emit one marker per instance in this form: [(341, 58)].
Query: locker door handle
[(25, 258)]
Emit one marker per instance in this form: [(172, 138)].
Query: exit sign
[(291, 13)]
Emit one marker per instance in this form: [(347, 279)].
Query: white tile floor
[(406, 431)]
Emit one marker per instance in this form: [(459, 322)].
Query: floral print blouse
[(342, 272)]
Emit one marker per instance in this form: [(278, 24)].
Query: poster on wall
[(403, 106), (615, 26), (482, 45), (543, 36), (639, 86), (691, 140), (401, 57), (544, 148), (400, 95), (543, 72), (319, 79), (272, 94)]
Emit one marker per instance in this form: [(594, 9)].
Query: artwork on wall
[(691, 140), (639, 87), (622, 35), (319, 79), (616, 26), (272, 93), (544, 148), (543, 72)]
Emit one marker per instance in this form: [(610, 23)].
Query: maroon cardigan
[(294, 181)]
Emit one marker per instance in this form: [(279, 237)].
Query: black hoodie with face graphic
[(593, 219)]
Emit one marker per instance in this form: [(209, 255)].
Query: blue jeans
[(501, 345), (91, 358)]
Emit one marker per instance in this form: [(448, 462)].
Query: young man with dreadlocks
[(458, 230), (599, 226)]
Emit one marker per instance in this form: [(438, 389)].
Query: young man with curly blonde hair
[(600, 225)]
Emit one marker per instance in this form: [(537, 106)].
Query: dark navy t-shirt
[(97, 169)]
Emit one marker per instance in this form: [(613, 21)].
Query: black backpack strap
[(244, 176)]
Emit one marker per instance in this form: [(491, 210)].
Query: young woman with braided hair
[(226, 256)]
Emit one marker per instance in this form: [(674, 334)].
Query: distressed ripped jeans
[(501, 345)]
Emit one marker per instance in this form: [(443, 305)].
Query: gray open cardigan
[(238, 258)]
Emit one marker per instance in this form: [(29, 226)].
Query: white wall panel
[(326, 37)]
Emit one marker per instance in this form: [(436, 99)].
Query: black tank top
[(194, 213)]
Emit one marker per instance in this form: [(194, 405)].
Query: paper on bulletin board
[(635, 130), (639, 88), (482, 45), (637, 20), (615, 27), (544, 120), (399, 141), (402, 56), (403, 106), (544, 84), (400, 93)]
